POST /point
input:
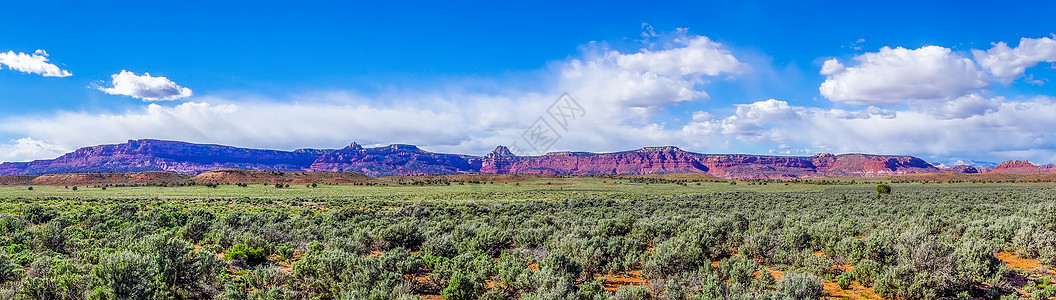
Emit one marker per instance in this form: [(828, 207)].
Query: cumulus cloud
[(649, 77), (698, 56), (28, 148), (750, 121), (832, 67), (145, 87), (607, 83), (897, 75), (1006, 126), (1007, 63), (36, 63), (961, 107)]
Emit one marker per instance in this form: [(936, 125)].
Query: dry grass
[(613, 282), (854, 291)]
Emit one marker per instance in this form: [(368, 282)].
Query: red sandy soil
[(854, 291), (13, 180), (942, 177), (1035, 270), (497, 178), (268, 177), (613, 282), (683, 176), (1030, 265), (150, 177)]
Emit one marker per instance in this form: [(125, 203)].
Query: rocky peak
[(354, 146), (660, 149), (1016, 166), (403, 147), (501, 151)]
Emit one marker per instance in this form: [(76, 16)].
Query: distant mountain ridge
[(398, 159)]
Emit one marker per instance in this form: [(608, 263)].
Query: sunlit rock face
[(399, 159)]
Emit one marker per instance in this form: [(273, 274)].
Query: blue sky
[(787, 78)]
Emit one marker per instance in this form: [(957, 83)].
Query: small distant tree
[(30, 188), (883, 189), (74, 188)]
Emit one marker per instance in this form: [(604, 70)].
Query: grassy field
[(533, 189), (531, 238)]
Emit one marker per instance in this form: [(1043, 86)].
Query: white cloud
[(831, 67), (1035, 82), (698, 56), (749, 121), (897, 75), (1004, 127), (631, 87), (146, 87), (973, 125), (866, 113), (36, 63), (857, 45), (27, 148), (962, 107), (606, 83), (1008, 63)]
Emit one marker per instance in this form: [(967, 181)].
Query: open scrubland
[(532, 237)]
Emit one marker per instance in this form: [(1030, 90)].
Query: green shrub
[(844, 280), (866, 272), (883, 189), (9, 271), (801, 286), (37, 214), (246, 253), (460, 288), (627, 292), (124, 275)]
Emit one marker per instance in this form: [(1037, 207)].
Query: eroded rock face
[(269, 177), (170, 156), (1017, 167), (394, 160), (187, 158), (653, 160), (867, 165), (963, 169)]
